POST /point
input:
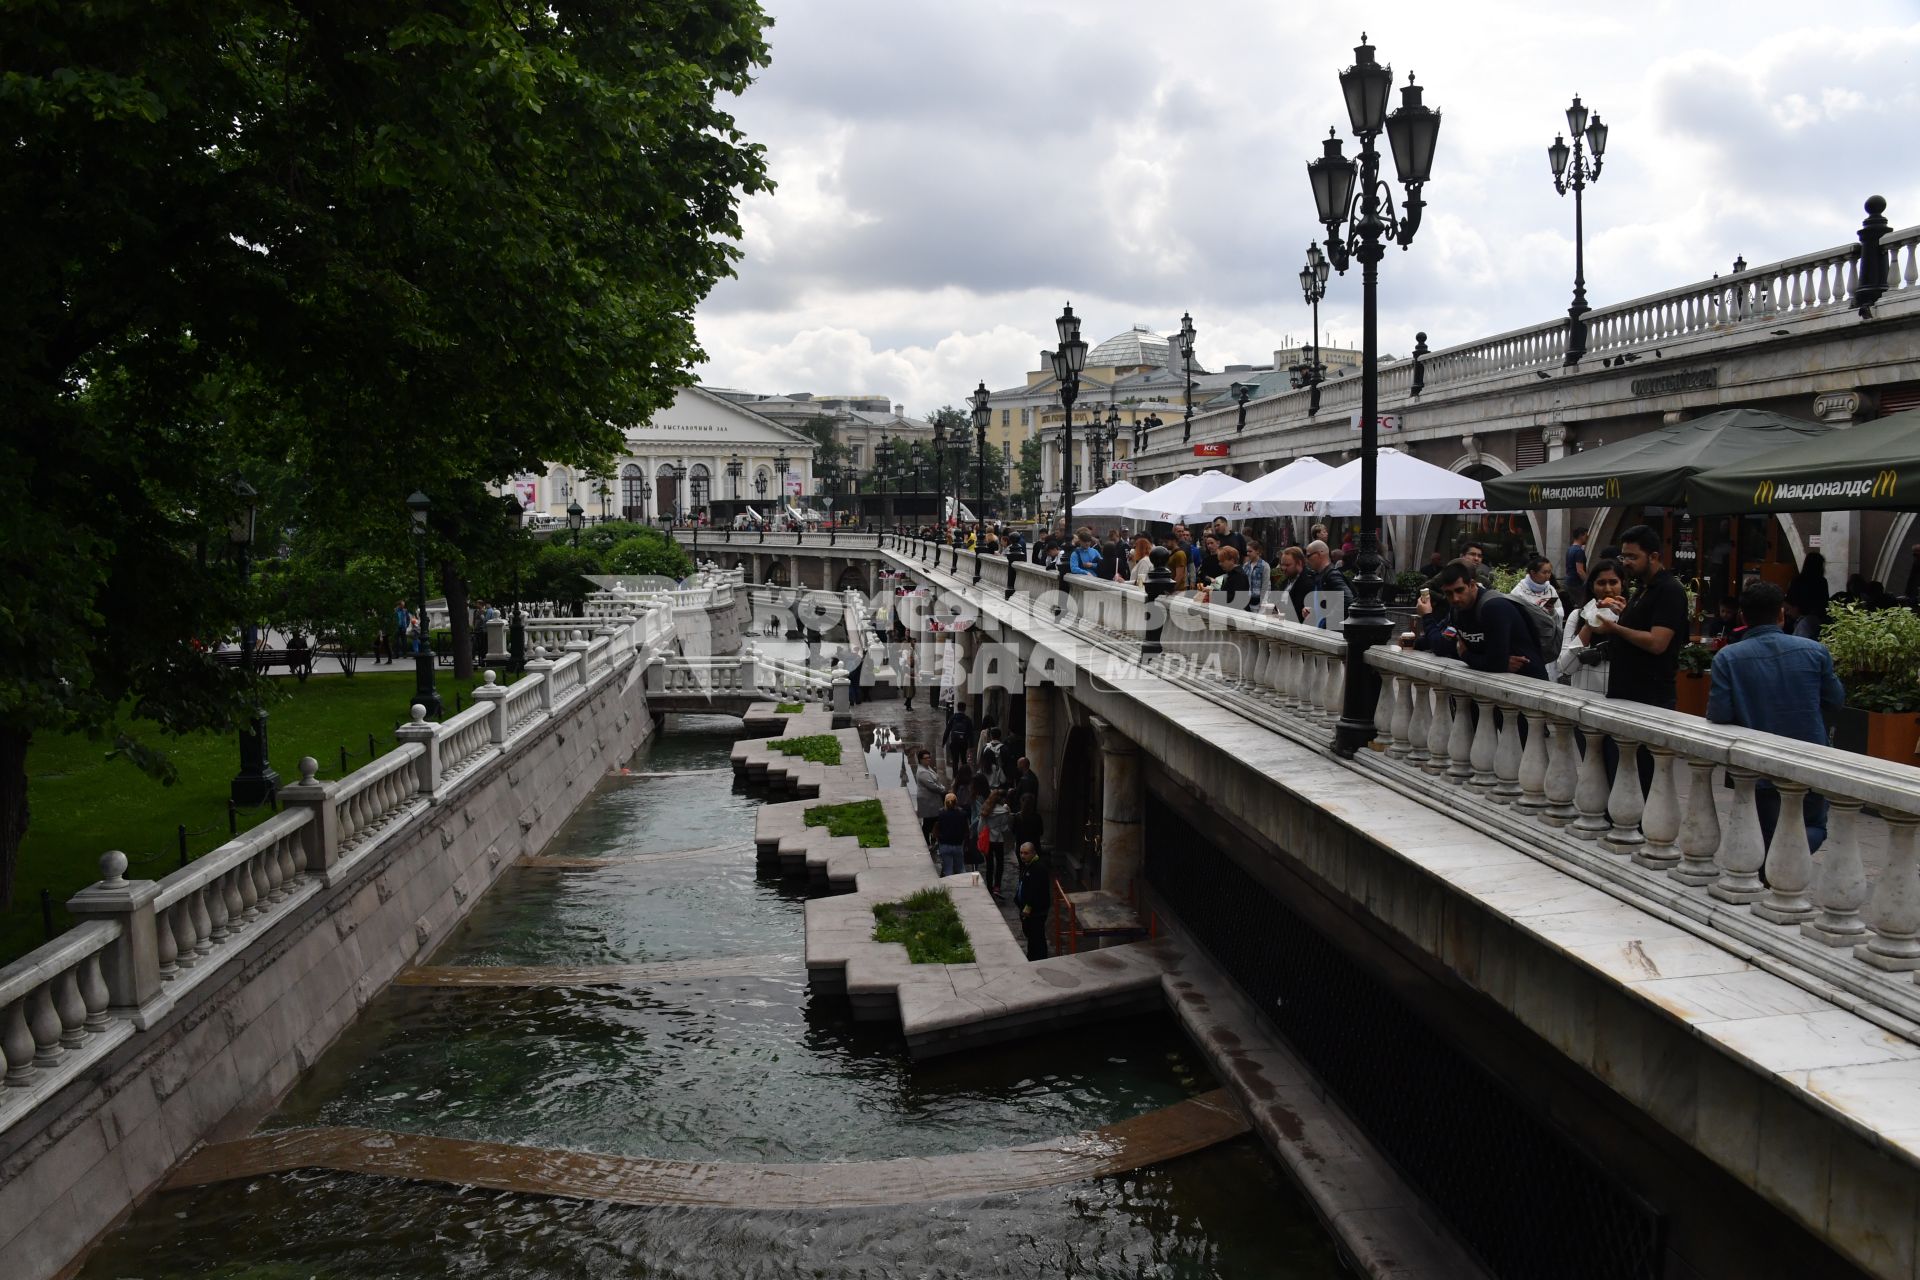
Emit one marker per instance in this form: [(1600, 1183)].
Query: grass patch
[(927, 924), (788, 708), (85, 804), (821, 748), (862, 818)]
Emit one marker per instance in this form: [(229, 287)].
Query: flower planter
[(1691, 689), (1884, 735)]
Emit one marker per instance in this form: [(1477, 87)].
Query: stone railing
[(854, 539), (140, 945), (1529, 761)]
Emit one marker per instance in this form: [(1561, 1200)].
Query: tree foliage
[(353, 249)]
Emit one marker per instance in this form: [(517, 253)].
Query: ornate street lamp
[(1313, 287), (1367, 214), (780, 463), (883, 463), (576, 517), (916, 454), (678, 472), (1573, 168), (982, 419), (257, 781), (1069, 358), (423, 691), (606, 499), (1186, 337), (1242, 392), (735, 469), (939, 477)]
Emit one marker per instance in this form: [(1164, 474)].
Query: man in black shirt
[(1487, 630), (1644, 645)]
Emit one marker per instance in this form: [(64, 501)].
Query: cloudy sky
[(949, 174)]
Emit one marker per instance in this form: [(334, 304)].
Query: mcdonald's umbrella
[(1406, 487), (1874, 466), (1179, 499), (1648, 470), (1110, 501), (1244, 503)]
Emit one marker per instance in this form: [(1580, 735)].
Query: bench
[(298, 662)]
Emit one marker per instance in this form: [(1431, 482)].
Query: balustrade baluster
[(164, 947), (70, 1008), (1742, 851), (1383, 711), (1789, 861), (236, 903), (1480, 754), (1590, 792), (266, 870), (44, 1023), (93, 994), (1419, 722), (1531, 775), (1625, 801), (180, 920), (1660, 820), (202, 920), (1460, 738), (249, 892), (1439, 731), (16, 1044), (1332, 687), (1700, 832), (1562, 775), (1400, 718), (1839, 880), (1895, 944)]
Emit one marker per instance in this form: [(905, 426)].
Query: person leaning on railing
[(1483, 628)]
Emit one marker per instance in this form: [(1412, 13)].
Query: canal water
[(730, 1058)]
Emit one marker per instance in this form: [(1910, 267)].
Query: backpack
[(990, 766), (1546, 632)]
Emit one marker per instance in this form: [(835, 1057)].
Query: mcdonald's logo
[(1763, 493), (1533, 494), (1613, 487), (1884, 483)]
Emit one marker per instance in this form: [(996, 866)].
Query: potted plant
[(1877, 653), (1695, 680), (1405, 586)]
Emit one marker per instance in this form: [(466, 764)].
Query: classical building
[(860, 422), (734, 459)]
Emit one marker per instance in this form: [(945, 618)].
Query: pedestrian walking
[(996, 821), (927, 791), (950, 834), (959, 738)]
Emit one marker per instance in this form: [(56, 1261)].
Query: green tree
[(648, 552), (377, 246), (1029, 469)]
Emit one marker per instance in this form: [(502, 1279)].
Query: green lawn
[(84, 804), (927, 924), (820, 748), (862, 818)]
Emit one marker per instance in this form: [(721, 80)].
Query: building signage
[(1883, 485), (1385, 422), (527, 491), (1216, 450), (1667, 384), (1605, 491)]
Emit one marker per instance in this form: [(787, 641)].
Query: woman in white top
[(1536, 587), (1604, 581), (1142, 561)]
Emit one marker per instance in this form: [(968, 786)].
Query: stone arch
[(1075, 821), (1478, 466)]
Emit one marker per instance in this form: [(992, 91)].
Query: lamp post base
[(423, 691), (256, 783), (1356, 728)]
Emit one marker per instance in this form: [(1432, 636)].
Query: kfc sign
[(1218, 450)]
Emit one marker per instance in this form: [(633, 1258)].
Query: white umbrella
[(1180, 499), (1110, 500), (1245, 503), (1406, 487)]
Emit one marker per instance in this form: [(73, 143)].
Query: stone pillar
[(1840, 544), (1040, 744), (496, 695), (1123, 845), (1554, 525), (321, 836), (131, 966), (496, 640), (429, 761)]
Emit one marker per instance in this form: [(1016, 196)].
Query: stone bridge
[(1498, 958)]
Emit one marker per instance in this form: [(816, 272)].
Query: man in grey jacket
[(929, 794)]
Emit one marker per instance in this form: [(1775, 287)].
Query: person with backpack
[(1488, 630), (1085, 556), (994, 769), (959, 738)]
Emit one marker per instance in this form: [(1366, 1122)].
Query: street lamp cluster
[(1312, 371), (1573, 168), (1069, 358)]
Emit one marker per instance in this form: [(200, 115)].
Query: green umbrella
[(1648, 470), (1874, 466)]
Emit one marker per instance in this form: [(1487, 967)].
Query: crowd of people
[(982, 806)]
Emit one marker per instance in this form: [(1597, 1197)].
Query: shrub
[(1410, 580), (788, 708), (1877, 653), (647, 551), (862, 818), (927, 924), (1506, 577), (820, 748), (1696, 659)]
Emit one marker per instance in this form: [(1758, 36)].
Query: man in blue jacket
[(1777, 683), (1483, 628)]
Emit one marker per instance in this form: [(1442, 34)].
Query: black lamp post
[(1069, 358), (780, 463), (982, 418), (1367, 210), (678, 471), (606, 499), (917, 455), (423, 691), (940, 477), (1186, 337), (1111, 451), (883, 463), (699, 487), (256, 781), (1313, 287), (1242, 392), (576, 517), (1573, 168), (735, 468)]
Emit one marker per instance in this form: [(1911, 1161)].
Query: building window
[(1006, 450), (1076, 475), (857, 453), (1026, 417), (1006, 417)]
